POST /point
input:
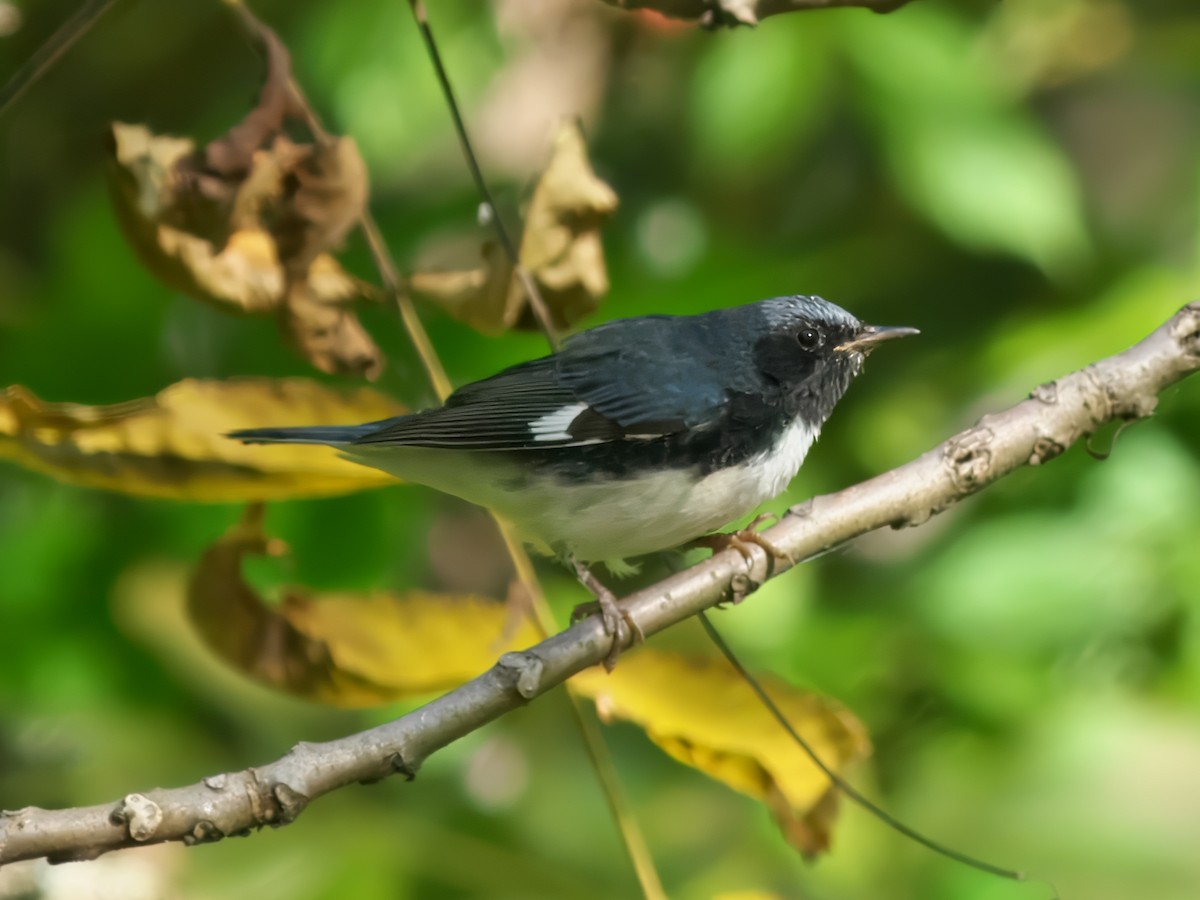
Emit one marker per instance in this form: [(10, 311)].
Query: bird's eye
[(809, 338)]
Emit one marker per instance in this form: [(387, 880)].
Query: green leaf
[(969, 159), (756, 96)]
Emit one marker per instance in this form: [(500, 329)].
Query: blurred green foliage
[(1017, 179)]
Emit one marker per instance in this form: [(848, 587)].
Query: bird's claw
[(612, 617), (742, 539)]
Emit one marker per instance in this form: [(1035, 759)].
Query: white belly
[(614, 520)]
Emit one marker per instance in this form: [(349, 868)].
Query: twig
[(717, 13), (837, 780), (536, 303), (394, 288), (1056, 415), (52, 51), (598, 753)]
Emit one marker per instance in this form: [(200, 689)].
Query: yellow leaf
[(173, 445), (705, 715), (560, 248), (343, 649)]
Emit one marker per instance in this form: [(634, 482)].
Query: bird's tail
[(334, 435)]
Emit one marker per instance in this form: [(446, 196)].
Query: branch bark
[(715, 13), (1056, 415)]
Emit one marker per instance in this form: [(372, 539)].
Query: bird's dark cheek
[(779, 358)]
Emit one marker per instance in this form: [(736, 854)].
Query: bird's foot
[(611, 614), (742, 539)]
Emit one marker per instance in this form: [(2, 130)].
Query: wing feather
[(498, 413), (617, 382)]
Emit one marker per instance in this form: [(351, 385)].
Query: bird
[(636, 436)]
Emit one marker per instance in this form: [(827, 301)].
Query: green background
[(1017, 180)]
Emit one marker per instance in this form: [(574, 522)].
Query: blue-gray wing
[(651, 372), (521, 407), (635, 379)]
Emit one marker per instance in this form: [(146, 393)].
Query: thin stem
[(618, 804), (840, 783), (392, 285), (593, 741), (52, 51), (536, 303)]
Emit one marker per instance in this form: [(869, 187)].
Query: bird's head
[(813, 349)]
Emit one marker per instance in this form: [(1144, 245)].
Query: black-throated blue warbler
[(638, 435)]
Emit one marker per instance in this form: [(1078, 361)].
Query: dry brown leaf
[(231, 155), (705, 715), (330, 336), (560, 248), (248, 221), (486, 298), (330, 195), (173, 445), (343, 649), (262, 190)]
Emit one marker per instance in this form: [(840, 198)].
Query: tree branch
[(52, 51), (715, 13), (1056, 415)]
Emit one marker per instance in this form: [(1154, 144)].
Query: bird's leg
[(741, 539), (611, 614)]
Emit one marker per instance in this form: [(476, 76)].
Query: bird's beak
[(865, 340)]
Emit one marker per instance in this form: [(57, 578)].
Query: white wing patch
[(553, 426)]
